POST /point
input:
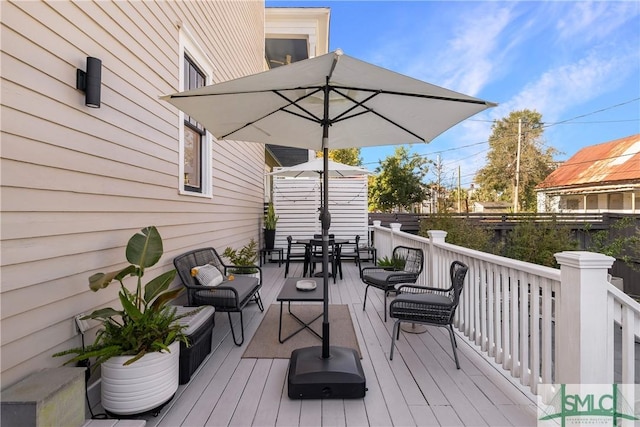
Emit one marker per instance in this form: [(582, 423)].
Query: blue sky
[(577, 63)]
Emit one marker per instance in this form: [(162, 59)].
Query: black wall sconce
[(90, 81)]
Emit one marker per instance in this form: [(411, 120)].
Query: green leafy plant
[(246, 257), (621, 240), (270, 219), (395, 262), (461, 232), (146, 323), (537, 242)]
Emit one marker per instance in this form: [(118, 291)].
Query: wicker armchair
[(228, 296), (429, 306), (410, 262)]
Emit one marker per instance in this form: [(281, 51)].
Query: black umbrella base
[(339, 376)]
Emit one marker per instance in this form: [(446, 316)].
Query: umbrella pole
[(318, 373), (326, 223)]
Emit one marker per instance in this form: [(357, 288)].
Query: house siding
[(77, 182)]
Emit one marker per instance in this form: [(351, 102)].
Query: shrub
[(537, 242), (461, 232)]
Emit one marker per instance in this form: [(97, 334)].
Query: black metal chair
[(315, 255), (228, 296), (406, 269), (296, 252), (429, 306), (349, 251)]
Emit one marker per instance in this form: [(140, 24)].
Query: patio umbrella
[(315, 168), (330, 101)]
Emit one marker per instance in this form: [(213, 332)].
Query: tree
[(347, 156), (497, 179), (398, 183)]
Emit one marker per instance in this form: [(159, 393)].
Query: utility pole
[(459, 191), (439, 178), (515, 195)]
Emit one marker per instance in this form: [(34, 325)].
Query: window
[(573, 204), (195, 142), (615, 201), (194, 133), (592, 201)]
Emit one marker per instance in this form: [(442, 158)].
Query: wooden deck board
[(421, 386)]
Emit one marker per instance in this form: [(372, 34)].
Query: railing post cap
[(377, 223), (437, 234), (584, 259), (395, 226)]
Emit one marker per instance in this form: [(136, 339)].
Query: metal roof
[(616, 161)]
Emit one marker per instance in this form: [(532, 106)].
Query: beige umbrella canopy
[(315, 167), (366, 106), (330, 101)]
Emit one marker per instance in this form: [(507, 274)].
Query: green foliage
[(270, 219), (398, 183), (461, 232), (396, 262), (347, 156), (497, 178), (537, 242), (245, 256), (616, 242), (146, 323)]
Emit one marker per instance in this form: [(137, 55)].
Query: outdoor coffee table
[(290, 293)]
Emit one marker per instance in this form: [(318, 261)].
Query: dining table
[(315, 242)]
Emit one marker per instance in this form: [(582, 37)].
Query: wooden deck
[(421, 386)]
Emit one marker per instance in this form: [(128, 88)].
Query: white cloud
[(566, 86), (589, 21)]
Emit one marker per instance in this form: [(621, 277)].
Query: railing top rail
[(624, 299), (538, 270)]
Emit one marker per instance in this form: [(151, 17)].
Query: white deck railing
[(543, 325)]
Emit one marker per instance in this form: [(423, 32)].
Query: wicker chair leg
[(385, 305), (364, 302), (453, 346), (233, 334), (454, 335), (258, 301), (396, 332)]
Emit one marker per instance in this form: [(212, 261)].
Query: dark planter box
[(200, 327)]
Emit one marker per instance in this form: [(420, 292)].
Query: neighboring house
[(77, 182), (599, 178), (492, 207)]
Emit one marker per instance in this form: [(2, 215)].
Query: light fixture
[(90, 82)]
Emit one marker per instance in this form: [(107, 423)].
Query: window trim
[(188, 46)]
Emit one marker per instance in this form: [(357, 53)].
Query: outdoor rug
[(265, 344)]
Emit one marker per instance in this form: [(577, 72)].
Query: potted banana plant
[(138, 345)]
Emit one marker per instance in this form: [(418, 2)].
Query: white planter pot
[(142, 386)]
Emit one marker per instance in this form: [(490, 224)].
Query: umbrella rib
[(277, 92), (344, 115), (418, 95), (310, 116)]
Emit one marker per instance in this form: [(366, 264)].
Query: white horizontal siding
[(297, 203), (78, 182)]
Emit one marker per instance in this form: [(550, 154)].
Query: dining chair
[(429, 306), (296, 252), (349, 251)]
